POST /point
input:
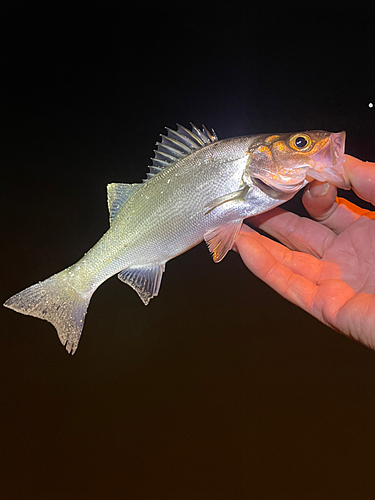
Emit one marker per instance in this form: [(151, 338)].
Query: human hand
[(328, 264)]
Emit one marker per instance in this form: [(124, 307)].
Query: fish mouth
[(327, 164), (338, 143)]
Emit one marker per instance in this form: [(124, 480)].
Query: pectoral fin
[(240, 194), (221, 239), (144, 280)]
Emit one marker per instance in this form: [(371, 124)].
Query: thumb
[(319, 200)]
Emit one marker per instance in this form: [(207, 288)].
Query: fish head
[(287, 162)]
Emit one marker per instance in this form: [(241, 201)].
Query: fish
[(197, 188)]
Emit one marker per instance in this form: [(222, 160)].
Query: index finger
[(297, 233), (362, 177)]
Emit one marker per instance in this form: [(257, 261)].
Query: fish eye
[(300, 142)]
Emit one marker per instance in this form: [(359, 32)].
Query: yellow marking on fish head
[(271, 139)]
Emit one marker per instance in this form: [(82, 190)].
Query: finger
[(335, 213), (323, 299), (262, 263), (362, 177), (297, 233), (339, 216), (300, 263), (319, 199)]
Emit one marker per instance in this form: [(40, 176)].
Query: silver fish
[(198, 188)]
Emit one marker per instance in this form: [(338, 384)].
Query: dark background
[(219, 389)]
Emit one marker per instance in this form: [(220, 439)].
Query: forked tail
[(56, 301)]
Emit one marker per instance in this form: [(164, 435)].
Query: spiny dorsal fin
[(117, 195), (178, 144)]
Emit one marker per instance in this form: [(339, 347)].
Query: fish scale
[(197, 188)]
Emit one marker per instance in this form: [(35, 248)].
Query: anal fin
[(144, 280), (221, 239)]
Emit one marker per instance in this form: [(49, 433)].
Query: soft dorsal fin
[(178, 144), (117, 195)]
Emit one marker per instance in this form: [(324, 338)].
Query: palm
[(332, 276), (353, 251)]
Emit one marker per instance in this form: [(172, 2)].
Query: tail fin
[(56, 301)]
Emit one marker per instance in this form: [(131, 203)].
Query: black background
[(219, 389)]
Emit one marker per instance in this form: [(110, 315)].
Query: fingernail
[(317, 189)]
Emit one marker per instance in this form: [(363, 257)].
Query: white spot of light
[(370, 104)]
